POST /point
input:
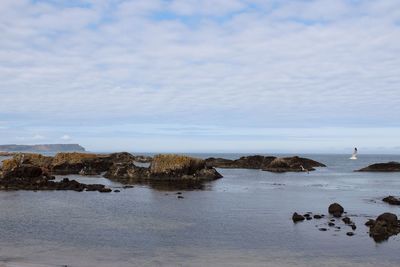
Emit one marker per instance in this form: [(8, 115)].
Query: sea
[(242, 219)]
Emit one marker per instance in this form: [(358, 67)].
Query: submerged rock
[(336, 210), (382, 167), (384, 226), (392, 200)]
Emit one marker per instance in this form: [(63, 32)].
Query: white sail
[(354, 155)]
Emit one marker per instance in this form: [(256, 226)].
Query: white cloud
[(66, 137), (279, 64)]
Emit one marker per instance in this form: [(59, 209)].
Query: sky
[(263, 76)]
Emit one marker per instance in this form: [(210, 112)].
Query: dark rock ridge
[(42, 148), (69, 163), (31, 177), (267, 163), (385, 226), (382, 167), (392, 200), (164, 168)]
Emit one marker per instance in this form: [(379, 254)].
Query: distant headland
[(42, 148)]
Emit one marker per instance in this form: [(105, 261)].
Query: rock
[(105, 190), (336, 210), (80, 163), (297, 217), (316, 216), (331, 224), (247, 162), (23, 171), (42, 182), (143, 159), (382, 167), (353, 227), (180, 197), (384, 226), (370, 222), (266, 163), (116, 191), (323, 229), (169, 168), (350, 233), (391, 200), (347, 220), (172, 167), (292, 164)]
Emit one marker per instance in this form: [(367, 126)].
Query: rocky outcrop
[(267, 163), (292, 164), (248, 162), (391, 200), (384, 226), (69, 163), (31, 177), (164, 167), (382, 167)]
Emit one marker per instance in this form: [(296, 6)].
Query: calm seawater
[(243, 219)]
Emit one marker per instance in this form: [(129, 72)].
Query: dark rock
[(127, 186), (370, 222), (347, 220), (384, 226), (353, 227), (297, 217), (116, 191), (331, 224), (309, 218), (391, 200), (323, 229), (266, 163), (336, 210), (316, 216), (350, 233), (180, 197), (382, 167), (105, 190), (292, 164)]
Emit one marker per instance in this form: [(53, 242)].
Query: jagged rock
[(391, 200), (384, 226), (336, 210), (382, 167)]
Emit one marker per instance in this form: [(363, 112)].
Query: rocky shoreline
[(35, 171)]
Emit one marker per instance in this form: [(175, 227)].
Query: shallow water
[(243, 219)]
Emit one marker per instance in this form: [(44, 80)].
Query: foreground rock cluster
[(380, 229), (267, 163)]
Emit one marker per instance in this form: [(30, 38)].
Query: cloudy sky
[(202, 75)]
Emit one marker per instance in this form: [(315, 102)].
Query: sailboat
[(354, 155)]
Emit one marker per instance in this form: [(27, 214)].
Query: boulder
[(391, 200), (297, 217), (384, 226), (336, 210), (382, 167)]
